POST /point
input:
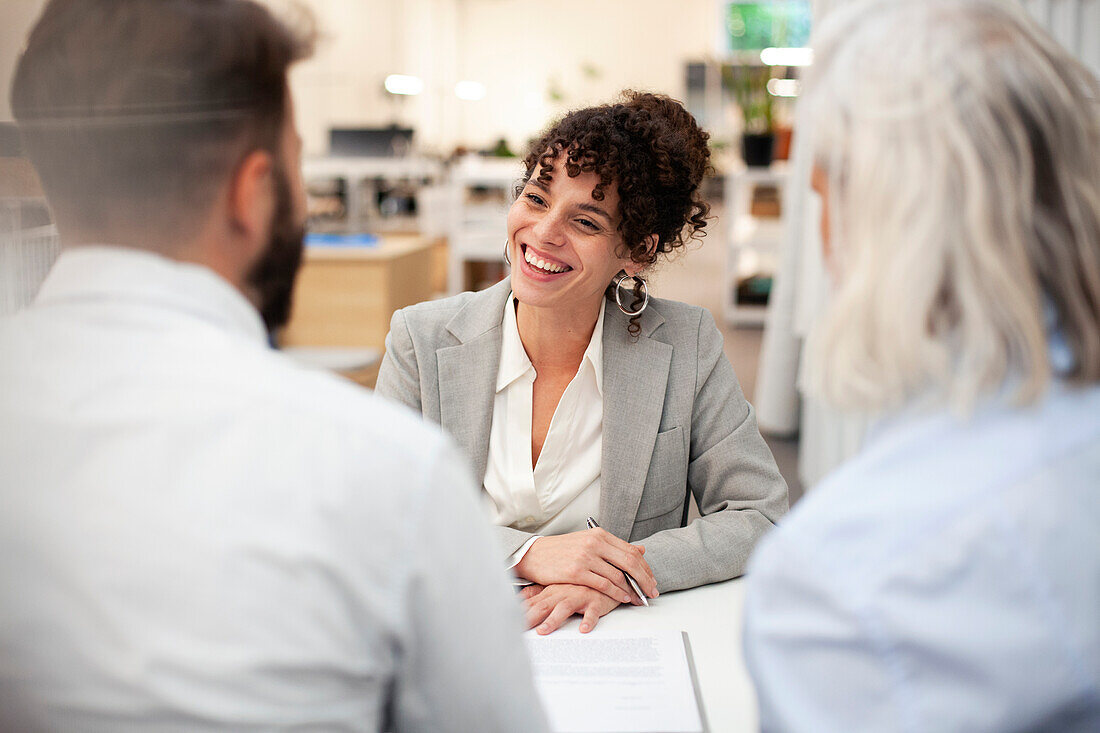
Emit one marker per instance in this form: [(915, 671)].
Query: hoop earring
[(506, 257), (618, 294)]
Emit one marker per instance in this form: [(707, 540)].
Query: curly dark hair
[(654, 151)]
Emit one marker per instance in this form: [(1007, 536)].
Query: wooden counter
[(345, 296)]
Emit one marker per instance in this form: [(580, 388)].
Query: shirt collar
[(106, 273), (514, 362), (594, 352)]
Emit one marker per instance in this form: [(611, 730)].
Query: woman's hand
[(550, 607), (594, 558)]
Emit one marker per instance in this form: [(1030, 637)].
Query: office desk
[(345, 296), (711, 615)]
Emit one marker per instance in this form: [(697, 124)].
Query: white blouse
[(563, 489)]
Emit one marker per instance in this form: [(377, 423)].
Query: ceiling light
[(787, 56), (783, 87), (402, 84)]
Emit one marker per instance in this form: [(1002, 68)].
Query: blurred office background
[(413, 112)]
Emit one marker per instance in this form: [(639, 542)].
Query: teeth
[(536, 261)]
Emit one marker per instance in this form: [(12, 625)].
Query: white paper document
[(615, 682)]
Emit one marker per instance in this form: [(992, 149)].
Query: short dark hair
[(136, 111), (652, 149)]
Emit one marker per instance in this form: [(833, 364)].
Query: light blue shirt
[(946, 579)]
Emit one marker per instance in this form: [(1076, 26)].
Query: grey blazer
[(674, 419)]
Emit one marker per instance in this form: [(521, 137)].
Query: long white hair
[(961, 146)]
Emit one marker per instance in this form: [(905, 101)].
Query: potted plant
[(749, 86)]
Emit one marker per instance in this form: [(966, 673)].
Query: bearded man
[(195, 533)]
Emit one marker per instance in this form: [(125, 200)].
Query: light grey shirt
[(946, 579), (197, 534)]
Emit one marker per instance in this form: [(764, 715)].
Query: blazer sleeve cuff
[(511, 541), (516, 556)]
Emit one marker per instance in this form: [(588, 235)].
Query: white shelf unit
[(28, 240), (26, 256), (755, 242), (481, 193), (360, 175)]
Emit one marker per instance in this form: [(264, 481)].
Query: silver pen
[(592, 524)]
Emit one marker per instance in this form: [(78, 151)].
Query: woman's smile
[(564, 243), (543, 263)]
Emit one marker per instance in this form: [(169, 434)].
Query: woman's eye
[(536, 199), (587, 224)]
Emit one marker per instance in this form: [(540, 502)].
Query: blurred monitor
[(370, 142)]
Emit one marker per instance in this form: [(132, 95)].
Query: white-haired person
[(948, 577)]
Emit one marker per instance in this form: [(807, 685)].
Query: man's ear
[(633, 268), (252, 195)]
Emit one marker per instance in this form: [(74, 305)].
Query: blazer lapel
[(468, 374), (635, 376)]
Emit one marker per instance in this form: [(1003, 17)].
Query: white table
[(711, 615)]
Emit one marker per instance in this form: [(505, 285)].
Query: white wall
[(519, 50), (361, 42), (16, 19)]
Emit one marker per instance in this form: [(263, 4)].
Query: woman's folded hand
[(594, 558), (547, 608)]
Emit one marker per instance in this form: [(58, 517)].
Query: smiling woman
[(574, 399), (565, 246)]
